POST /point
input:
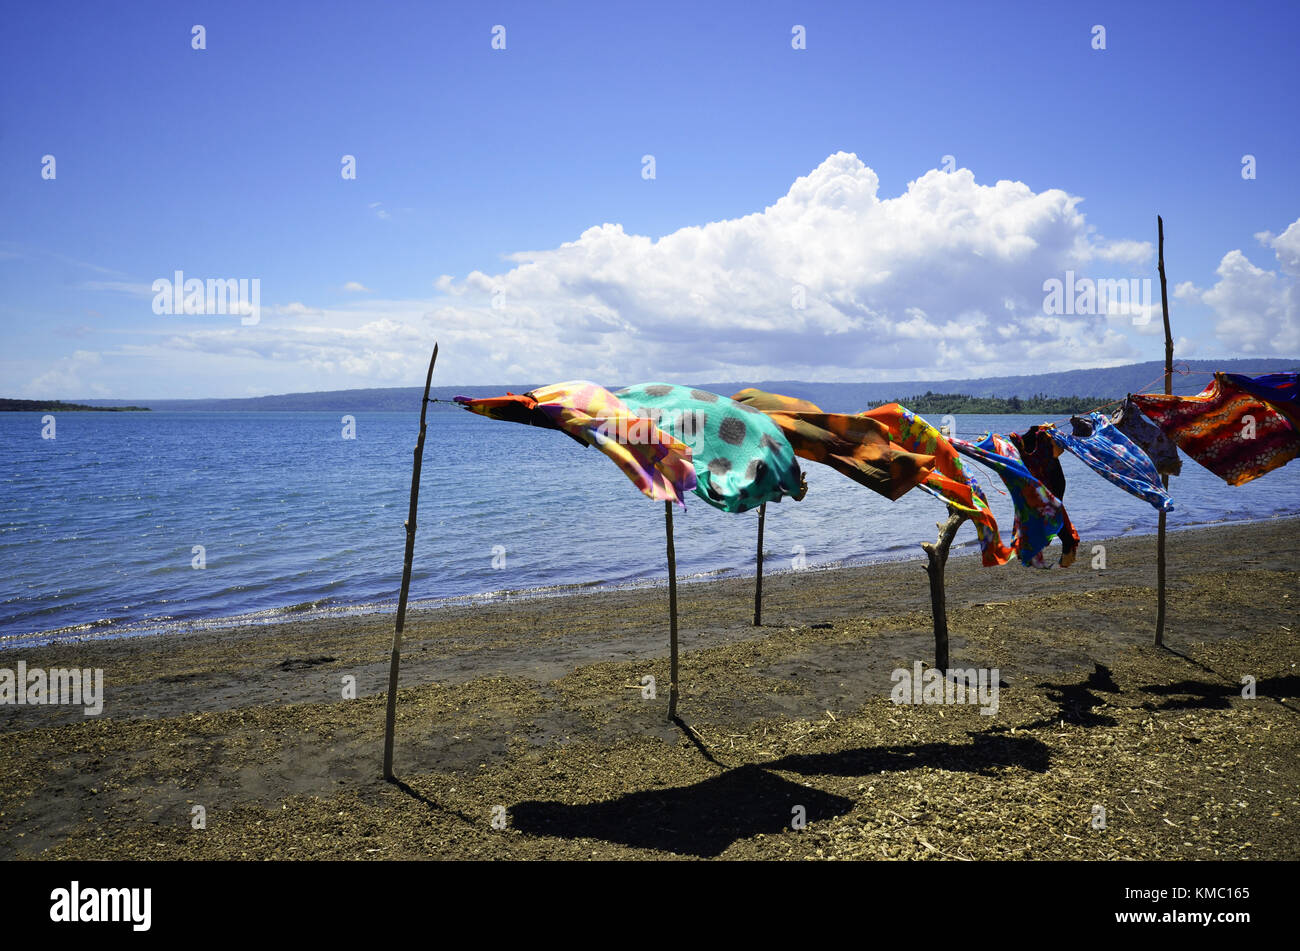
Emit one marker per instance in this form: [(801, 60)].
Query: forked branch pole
[(937, 555), (396, 659)]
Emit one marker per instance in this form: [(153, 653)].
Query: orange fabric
[(949, 479), (857, 446), (1231, 432)]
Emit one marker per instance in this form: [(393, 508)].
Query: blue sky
[(225, 163)]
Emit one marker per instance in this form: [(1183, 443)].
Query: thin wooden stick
[(1169, 376), (758, 579), (672, 613), (396, 659), (937, 554)]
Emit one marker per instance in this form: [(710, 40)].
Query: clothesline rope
[(989, 473), (1182, 369)]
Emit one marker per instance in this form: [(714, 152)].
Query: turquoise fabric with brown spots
[(741, 457)]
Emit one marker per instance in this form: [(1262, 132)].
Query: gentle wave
[(116, 628), (99, 529)]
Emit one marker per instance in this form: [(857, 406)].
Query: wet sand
[(523, 732)]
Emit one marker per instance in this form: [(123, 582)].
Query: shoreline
[(536, 706), (88, 632)]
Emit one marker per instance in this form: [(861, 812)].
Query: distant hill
[(1101, 384), (389, 399), (934, 404), (1104, 384), (58, 406)]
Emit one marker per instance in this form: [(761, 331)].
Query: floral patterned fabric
[(1040, 515), (1225, 428), (1041, 457), (1281, 391)]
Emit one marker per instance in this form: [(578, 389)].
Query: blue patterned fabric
[(1112, 455)]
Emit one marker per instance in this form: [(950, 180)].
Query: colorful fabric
[(1041, 457), (857, 446), (1279, 390), (657, 463), (949, 480), (1110, 454), (1039, 513), (1225, 428), (1148, 437), (741, 459)]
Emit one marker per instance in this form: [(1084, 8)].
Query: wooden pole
[(937, 554), (672, 613), (1169, 378), (758, 579), (396, 659)]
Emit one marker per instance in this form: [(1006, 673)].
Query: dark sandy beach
[(529, 714)]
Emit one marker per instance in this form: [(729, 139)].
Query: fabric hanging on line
[(741, 458), (1279, 390), (1110, 454), (1039, 515), (1231, 432), (657, 463), (1148, 437), (1041, 457), (856, 446), (949, 480)]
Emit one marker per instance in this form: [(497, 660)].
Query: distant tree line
[(941, 403), (54, 406)]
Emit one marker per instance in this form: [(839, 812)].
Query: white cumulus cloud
[(1257, 310), (946, 278)]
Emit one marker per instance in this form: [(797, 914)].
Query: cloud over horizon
[(945, 279), (830, 282)]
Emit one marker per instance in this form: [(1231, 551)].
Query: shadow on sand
[(1078, 701), (1204, 695), (704, 818)]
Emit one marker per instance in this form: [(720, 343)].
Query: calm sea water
[(98, 526)]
